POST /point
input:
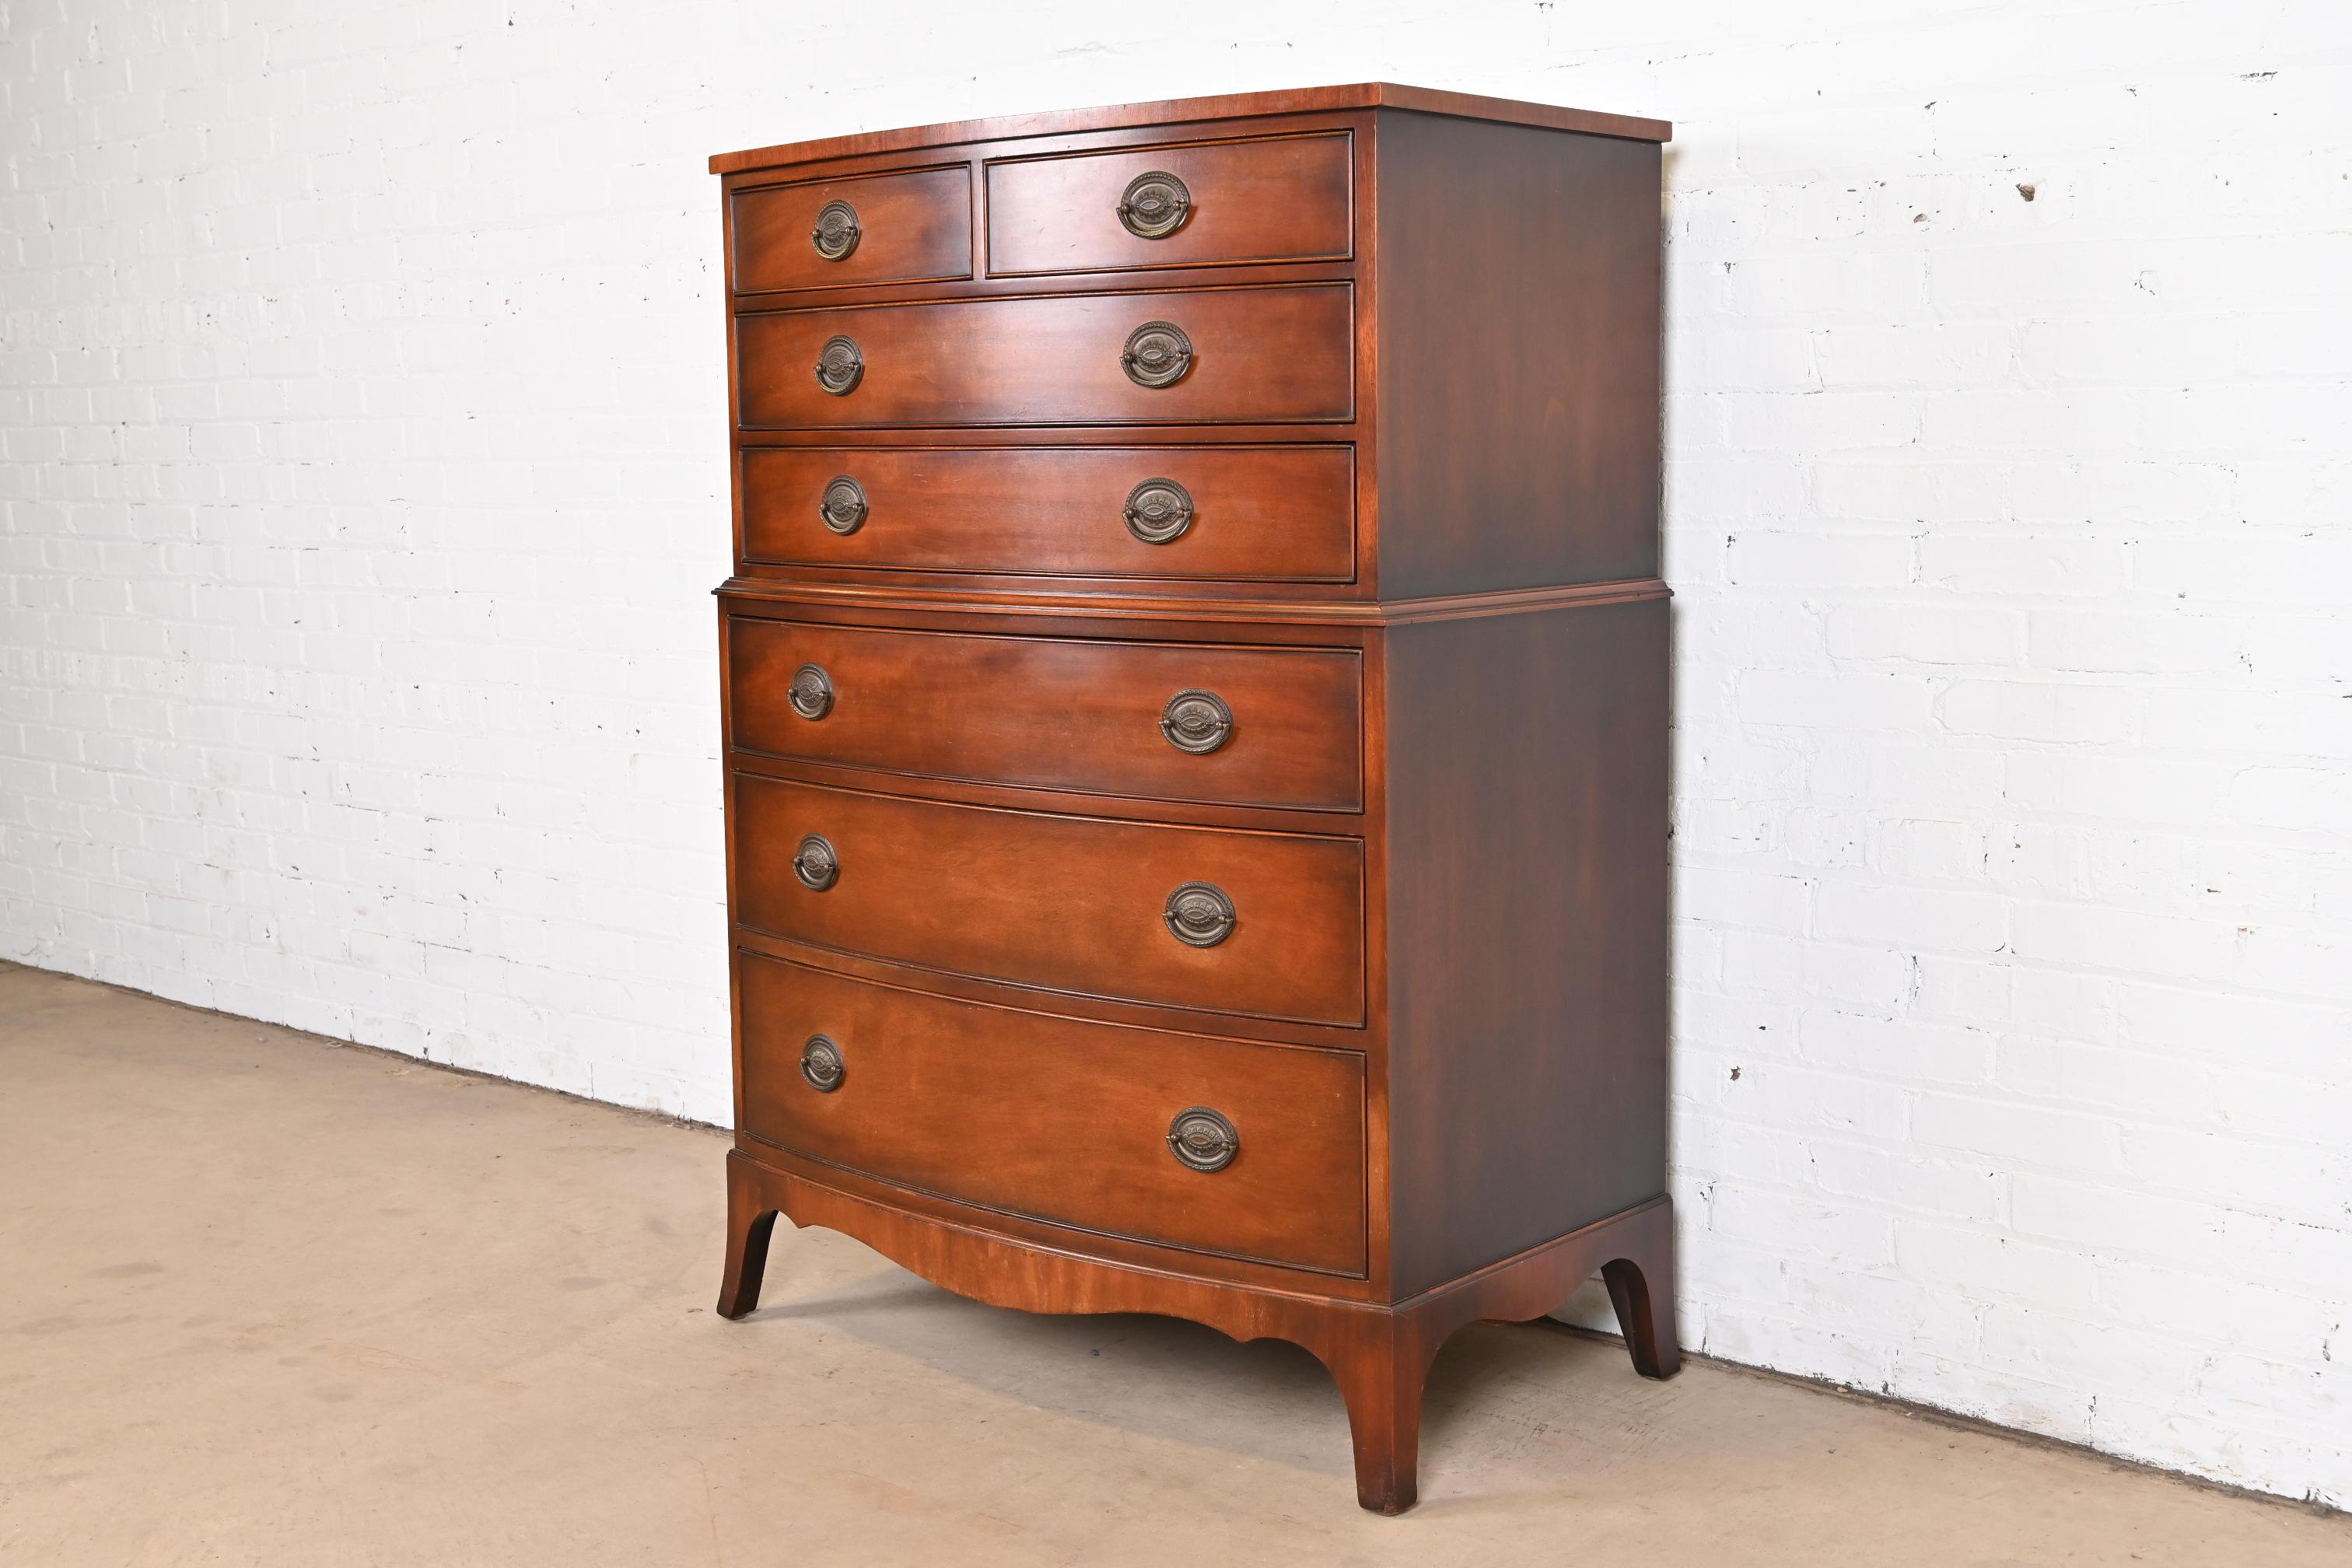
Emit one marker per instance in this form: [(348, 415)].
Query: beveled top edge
[(1148, 608), (1229, 105)]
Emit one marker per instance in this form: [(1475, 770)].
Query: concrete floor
[(267, 1300)]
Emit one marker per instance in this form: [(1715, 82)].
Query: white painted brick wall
[(361, 447)]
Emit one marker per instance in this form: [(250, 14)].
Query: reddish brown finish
[(1058, 713), (1427, 455), (1279, 199), (1183, 110), (1060, 903), (1263, 512), (1527, 800), (1378, 1354), (1170, 616), (1518, 322), (913, 226), (1264, 355), (1002, 1108)]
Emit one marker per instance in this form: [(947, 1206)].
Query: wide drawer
[(1261, 924), (876, 229), (1247, 355), (1060, 1120), (1246, 726), (1283, 198), (1233, 512)]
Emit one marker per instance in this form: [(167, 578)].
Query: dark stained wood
[(1643, 1293), (1378, 1354), (1519, 324), (1264, 512), (1424, 446), (1261, 355), (1063, 1119), (1055, 712), (913, 226), (1525, 797), (1069, 904), (1183, 110), (1275, 199), (749, 1225)]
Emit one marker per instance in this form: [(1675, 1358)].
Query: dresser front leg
[(1381, 1361), (1641, 1287), (750, 1220)]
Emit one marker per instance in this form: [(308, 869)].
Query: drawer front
[(1080, 905), (1060, 1120), (1233, 512), (830, 234), (1286, 198), (1245, 726), (1256, 355)]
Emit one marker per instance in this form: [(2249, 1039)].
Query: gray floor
[(264, 1299)]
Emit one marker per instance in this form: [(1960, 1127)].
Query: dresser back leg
[(1641, 1287), (750, 1220)]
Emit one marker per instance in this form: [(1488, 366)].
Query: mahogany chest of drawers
[(1195, 719)]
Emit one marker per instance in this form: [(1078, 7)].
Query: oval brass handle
[(1158, 510), (1203, 1139), (842, 508), (1199, 915), (815, 864), (821, 1064), (1194, 721), (1155, 204), (810, 692), (1158, 354), (840, 366), (836, 231)]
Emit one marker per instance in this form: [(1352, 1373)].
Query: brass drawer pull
[(811, 693), (1199, 915), (1195, 721), (1155, 204), (1158, 354), (840, 366), (836, 231), (815, 864), (842, 508), (821, 1064), (1203, 1139), (1158, 510)]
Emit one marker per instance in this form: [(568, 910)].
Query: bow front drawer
[(1218, 1145), (1238, 512), (1274, 355), (1261, 924), (1247, 726), (907, 227), (1283, 198)]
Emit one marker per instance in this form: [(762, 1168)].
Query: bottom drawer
[(1058, 1118)]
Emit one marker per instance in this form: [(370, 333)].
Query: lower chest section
[(1074, 928)]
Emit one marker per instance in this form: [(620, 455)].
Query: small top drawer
[(1283, 198), (906, 228)]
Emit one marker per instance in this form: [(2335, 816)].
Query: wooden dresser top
[(1232, 106)]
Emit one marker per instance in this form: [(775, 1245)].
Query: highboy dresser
[(1195, 719)]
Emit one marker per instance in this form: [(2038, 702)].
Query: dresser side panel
[(1528, 929), (1517, 315)]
